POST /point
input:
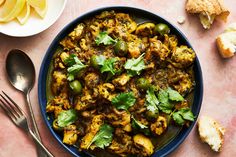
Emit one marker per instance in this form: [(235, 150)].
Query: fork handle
[(40, 144)]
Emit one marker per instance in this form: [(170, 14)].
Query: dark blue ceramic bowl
[(142, 16)]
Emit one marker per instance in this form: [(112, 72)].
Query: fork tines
[(10, 107)]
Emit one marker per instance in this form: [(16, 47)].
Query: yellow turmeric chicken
[(117, 85)]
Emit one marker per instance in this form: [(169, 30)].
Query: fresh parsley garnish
[(75, 65), (108, 66), (124, 101), (151, 101), (104, 38), (104, 136), (67, 117), (183, 114), (135, 66)]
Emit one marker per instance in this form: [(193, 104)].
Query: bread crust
[(226, 44), (211, 7)]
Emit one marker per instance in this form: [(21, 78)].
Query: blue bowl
[(144, 15)]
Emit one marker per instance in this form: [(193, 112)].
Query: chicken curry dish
[(119, 85)]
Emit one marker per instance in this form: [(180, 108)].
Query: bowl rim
[(198, 95)]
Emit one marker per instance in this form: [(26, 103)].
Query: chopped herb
[(182, 115), (151, 101), (165, 106), (104, 137), (139, 126), (174, 95), (135, 66), (124, 101), (108, 66), (75, 65), (104, 38), (66, 118)]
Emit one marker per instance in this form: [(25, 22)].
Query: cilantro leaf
[(135, 66), (75, 65), (178, 118), (100, 60), (151, 101), (139, 126), (187, 114), (104, 38), (183, 114), (67, 117), (70, 60), (124, 101), (104, 137), (165, 106), (108, 66), (174, 95)]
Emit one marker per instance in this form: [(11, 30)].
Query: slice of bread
[(226, 43), (211, 133)]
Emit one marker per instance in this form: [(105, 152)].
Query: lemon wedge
[(10, 9), (1, 2), (24, 14), (40, 6)]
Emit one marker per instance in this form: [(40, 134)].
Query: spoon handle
[(40, 144), (35, 129)]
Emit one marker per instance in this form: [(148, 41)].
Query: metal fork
[(17, 115)]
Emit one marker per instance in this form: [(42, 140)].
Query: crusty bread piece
[(208, 10), (211, 133), (226, 43)]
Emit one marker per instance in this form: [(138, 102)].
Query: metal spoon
[(21, 74)]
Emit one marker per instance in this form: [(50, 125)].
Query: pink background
[(219, 75)]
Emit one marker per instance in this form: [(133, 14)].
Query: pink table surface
[(219, 76)]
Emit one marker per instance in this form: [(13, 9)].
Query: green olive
[(76, 86), (162, 29), (55, 126), (94, 61), (143, 83), (152, 115), (121, 48)]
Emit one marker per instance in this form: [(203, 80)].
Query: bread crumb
[(211, 133), (181, 19)]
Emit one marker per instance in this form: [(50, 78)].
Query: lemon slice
[(10, 9), (40, 6), (24, 14), (1, 2)]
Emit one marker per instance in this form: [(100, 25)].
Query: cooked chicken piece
[(94, 127), (144, 144), (77, 32), (60, 82), (64, 56), (70, 135), (183, 57), (159, 126), (121, 80), (157, 48), (145, 29), (105, 91), (211, 133)]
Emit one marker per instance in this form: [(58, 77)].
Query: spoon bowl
[(20, 70)]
